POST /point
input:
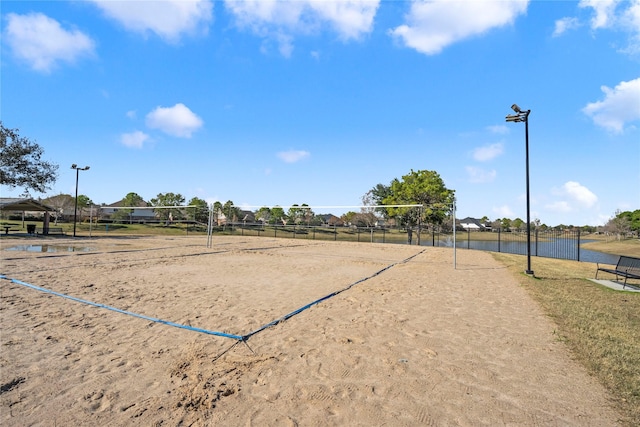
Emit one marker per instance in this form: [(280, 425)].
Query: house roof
[(469, 220), (120, 203), (22, 204)]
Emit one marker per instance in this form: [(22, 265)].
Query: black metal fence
[(548, 243)]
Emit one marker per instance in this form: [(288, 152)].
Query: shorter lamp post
[(523, 116), (75, 211)]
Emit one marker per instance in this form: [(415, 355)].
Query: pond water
[(560, 249), (49, 248)]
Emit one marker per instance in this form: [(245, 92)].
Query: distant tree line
[(21, 165)]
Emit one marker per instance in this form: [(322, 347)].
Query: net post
[(454, 233)]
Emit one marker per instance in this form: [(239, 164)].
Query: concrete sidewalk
[(618, 286)]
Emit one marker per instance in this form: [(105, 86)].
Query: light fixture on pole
[(75, 212), (523, 116)]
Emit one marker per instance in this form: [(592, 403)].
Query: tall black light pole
[(523, 116), (75, 211)]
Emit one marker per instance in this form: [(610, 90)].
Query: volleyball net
[(359, 223)]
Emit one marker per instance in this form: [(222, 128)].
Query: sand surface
[(412, 341)]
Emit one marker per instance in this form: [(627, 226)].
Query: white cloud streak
[(615, 15), (580, 194), (293, 156), (42, 43), (488, 152), (178, 120), (431, 26), (169, 19), (134, 139), (619, 107), (574, 196), (604, 12), (279, 21), (565, 24)]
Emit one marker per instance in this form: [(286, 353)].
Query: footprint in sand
[(431, 354)]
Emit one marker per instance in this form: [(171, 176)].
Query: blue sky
[(316, 102)]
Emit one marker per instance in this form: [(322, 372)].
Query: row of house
[(62, 208)]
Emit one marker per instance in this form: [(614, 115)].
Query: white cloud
[(132, 114), (479, 175), (178, 120), (604, 12), (293, 156), (617, 15), (619, 107), (488, 152), (574, 197), (285, 45), (279, 21), (579, 194), (432, 26), (630, 20), (169, 19), (350, 18), (565, 24), (134, 139), (41, 41)]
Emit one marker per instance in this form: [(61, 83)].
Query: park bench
[(52, 230), (627, 267)]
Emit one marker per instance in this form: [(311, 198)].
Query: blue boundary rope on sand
[(130, 313), (326, 297), (206, 331)]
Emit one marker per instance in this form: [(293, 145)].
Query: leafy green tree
[(295, 214), (21, 163), (419, 187), (84, 203), (376, 196), (633, 218), (349, 217), (130, 201), (517, 224), (263, 215), (505, 223), (200, 210), (300, 214), (277, 215), (161, 203)]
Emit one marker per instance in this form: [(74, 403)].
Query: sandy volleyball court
[(412, 342)]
